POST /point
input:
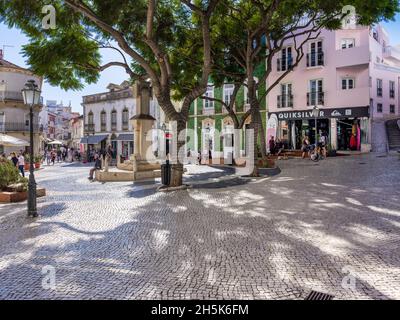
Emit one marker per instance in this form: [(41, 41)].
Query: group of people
[(276, 147), (17, 160), (307, 147)]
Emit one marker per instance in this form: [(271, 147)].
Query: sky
[(16, 39)]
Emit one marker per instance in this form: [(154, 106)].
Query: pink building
[(352, 76)]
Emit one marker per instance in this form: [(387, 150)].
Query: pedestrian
[(279, 146), (21, 163), (97, 166), (14, 159), (53, 157), (305, 147), (199, 157), (271, 144)]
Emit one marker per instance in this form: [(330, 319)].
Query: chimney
[(1, 54)]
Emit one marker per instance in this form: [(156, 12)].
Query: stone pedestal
[(145, 165)]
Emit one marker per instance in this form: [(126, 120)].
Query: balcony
[(284, 64), (315, 99), (392, 53), (103, 127), (352, 57), (113, 126), (89, 127), (19, 127), (315, 59), (14, 96), (285, 101)]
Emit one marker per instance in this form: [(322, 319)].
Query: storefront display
[(346, 128)]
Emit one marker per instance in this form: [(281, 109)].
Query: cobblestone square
[(312, 227)]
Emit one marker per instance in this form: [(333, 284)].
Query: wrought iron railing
[(19, 127)]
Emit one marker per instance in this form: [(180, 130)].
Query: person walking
[(21, 164), (14, 159), (305, 147)]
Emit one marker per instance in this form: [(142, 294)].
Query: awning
[(84, 140), (10, 141), (125, 137), (56, 142), (97, 139)]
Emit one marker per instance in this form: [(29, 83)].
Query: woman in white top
[(21, 164)]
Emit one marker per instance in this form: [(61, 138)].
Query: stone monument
[(145, 164)]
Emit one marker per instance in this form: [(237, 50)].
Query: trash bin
[(166, 174)]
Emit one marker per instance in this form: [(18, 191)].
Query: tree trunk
[(178, 156), (254, 125)]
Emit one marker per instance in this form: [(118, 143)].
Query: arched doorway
[(207, 141)]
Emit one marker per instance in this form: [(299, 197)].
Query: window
[(316, 94), (103, 120), (286, 60), (125, 119), (114, 119), (90, 118), (228, 92), (348, 43), (379, 84), (285, 100), (208, 104), (392, 85), (348, 83), (315, 57), (392, 108), (379, 107)]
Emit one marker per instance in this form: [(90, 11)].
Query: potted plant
[(27, 158), (38, 161)]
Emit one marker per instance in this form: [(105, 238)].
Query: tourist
[(14, 159), (305, 147), (21, 163), (279, 146), (271, 144), (97, 166), (323, 142), (53, 157)]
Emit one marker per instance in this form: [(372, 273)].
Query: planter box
[(11, 197), (37, 165)]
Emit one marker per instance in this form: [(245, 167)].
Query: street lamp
[(315, 113), (31, 95)]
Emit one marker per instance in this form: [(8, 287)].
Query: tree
[(252, 32), (156, 34)]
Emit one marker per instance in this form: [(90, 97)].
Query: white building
[(14, 114), (107, 120)]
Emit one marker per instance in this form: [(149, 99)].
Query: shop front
[(346, 128)]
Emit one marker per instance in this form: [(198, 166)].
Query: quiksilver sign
[(355, 112)]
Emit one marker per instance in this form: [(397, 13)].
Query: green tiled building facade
[(208, 118)]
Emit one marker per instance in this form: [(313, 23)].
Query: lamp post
[(315, 113), (31, 95)]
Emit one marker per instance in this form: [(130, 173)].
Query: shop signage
[(354, 112)]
